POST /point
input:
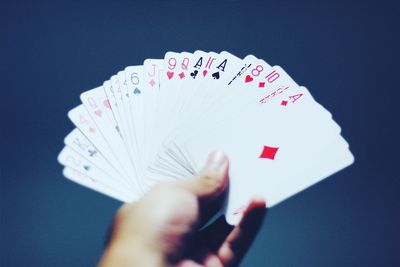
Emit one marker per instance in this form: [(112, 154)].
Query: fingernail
[(217, 162)]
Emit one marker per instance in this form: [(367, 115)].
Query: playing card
[(83, 121), (151, 88), (80, 144), (207, 71), (73, 160), (91, 183), (158, 121), (94, 100), (267, 147), (134, 84)]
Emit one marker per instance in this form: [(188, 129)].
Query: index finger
[(239, 240)]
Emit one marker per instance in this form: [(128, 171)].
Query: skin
[(162, 229)]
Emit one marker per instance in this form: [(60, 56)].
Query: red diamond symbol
[(181, 75), (152, 82), (261, 84), (268, 152), (284, 103)]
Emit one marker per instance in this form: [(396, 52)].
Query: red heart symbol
[(106, 103), (170, 74), (248, 79), (204, 73)]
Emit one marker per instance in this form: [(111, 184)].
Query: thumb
[(212, 180)]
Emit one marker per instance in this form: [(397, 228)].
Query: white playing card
[(228, 68), (83, 121), (199, 69), (264, 149), (109, 91), (92, 183), (175, 67), (117, 87), (134, 83), (79, 143), (158, 121), (93, 100), (151, 86), (74, 160)]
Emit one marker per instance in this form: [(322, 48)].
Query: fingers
[(211, 260), (212, 180), (216, 233), (239, 240), (236, 243), (162, 217), (189, 263), (170, 210), (209, 185)]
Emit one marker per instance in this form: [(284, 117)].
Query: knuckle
[(124, 211), (121, 212), (212, 182)]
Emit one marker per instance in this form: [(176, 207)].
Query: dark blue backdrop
[(346, 53)]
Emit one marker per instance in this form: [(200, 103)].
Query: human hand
[(162, 228)]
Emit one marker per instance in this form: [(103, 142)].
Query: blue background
[(345, 52)]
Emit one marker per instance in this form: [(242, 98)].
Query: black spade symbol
[(216, 75)]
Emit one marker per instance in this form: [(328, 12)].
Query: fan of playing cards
[(159, 121)]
